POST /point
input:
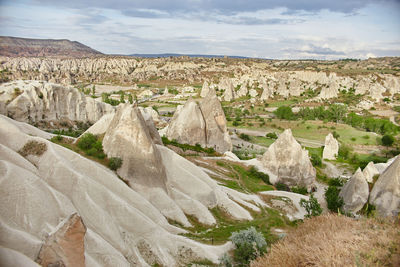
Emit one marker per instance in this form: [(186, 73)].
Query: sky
[(276, 29)]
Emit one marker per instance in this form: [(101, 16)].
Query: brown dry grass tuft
[(33, 148), (331, 240)]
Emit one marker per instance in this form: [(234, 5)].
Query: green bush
[(299, 190), (272, 135), (316, 160), (333, 200), (336, 182), (245, 137), (114, 163), (263, 176), (91, 146), (344, 152), (282, 187), (285, 113), (387, 140), (311, 206), (249, 244)]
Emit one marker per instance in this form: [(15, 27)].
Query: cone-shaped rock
[(128, 137), (289, 162), (331, 148), (217, 135), (370, 171), (187, 125), (355, 192), (204, 89), (385, 194)]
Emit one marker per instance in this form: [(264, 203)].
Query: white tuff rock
[(355, 192), (370, 171), (385, 194), (288, 162), (331, 148)]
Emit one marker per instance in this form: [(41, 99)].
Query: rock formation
[(385, 194), (370, 171), (203, 124), (331, 148), (204, 89), (65, 247), (123, 227), (288, 162), (355, 192), (31, 101)]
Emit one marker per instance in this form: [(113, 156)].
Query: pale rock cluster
[(385, 194), (32, 101)]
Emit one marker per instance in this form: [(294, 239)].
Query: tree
[(122, 99), (285, 113), (130, 98), (387, 140), (311, 206)]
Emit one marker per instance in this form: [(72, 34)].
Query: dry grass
[(33, 148), (332, 240)]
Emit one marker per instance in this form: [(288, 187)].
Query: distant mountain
[(179, 55), (14, 46)]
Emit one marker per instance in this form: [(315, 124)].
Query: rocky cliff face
[(288, 162), (25, 47), (33, 102), (203, 124)]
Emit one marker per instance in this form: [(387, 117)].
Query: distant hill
[(179, 55), (14, 46)]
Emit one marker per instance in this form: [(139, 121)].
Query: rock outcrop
[(331, 148), (204, 89), (203, 124), (385, 194), (32, 101), (65, 247), (288, 162), (355, 192), (123, 227), (370, 171)]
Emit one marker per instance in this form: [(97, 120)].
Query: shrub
[(336, 182), (57, 138), (282, 187), (344, 152), (299, 190), (261, 175), (87, 141), (33, 148), (311, 206), (249, 244), (316, 160), (285, 113), (245, 137), (272, 135), (387, 140), (334, 201), (115, 163)]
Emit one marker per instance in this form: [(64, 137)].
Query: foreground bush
[(333, 200), (332, 240), (249, 244), (311, 206), (114, 163)]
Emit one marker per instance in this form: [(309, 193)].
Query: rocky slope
[(25, 47), (123, 226)]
